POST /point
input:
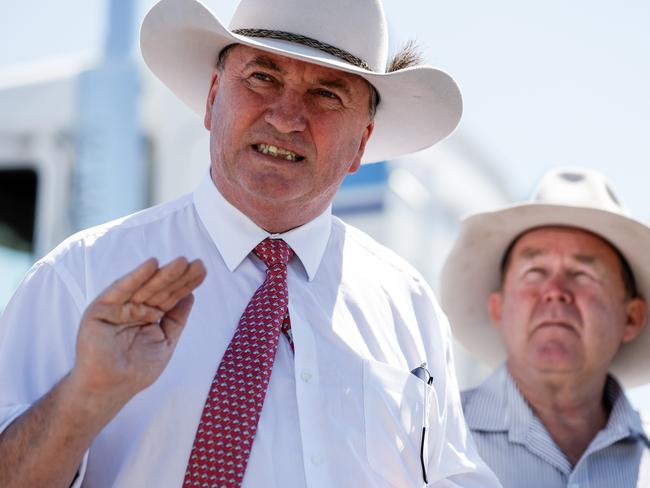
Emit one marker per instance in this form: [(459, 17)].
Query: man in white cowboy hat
[(313, 356), (562, 278)]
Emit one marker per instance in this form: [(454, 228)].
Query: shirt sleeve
[(454, 460), (38, 331)]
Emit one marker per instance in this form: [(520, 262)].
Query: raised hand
[(126, 338), (129, 332)]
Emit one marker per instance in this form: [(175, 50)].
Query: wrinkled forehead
[(246, 55), (286, 63)]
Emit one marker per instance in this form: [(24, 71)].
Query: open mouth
[(278, 152)]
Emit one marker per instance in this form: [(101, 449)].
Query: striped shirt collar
[(498, 406)]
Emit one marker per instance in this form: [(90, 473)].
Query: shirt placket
[(578, 480), (309, 405)]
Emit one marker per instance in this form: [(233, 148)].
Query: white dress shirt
[(345, 411)]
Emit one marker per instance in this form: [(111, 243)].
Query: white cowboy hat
[(181, 40), (573, 197)]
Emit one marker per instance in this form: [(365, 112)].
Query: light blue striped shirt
[(518, 448)]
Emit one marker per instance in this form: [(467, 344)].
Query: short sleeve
[(38, 331)]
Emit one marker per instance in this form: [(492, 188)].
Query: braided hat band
[(305, 41)]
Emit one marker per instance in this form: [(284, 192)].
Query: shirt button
[(316, 460), (306, 376)]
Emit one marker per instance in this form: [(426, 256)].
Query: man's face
[(284, 133), (563, 306)]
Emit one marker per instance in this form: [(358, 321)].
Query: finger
[(193, 277), (179, 294), (174, 321), (126, 315), (123, 288), (167, 298), (165, 278)]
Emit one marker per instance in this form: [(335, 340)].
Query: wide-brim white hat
[(181, 39), (573, 197)]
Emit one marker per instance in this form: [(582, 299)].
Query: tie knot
[(273, 252)]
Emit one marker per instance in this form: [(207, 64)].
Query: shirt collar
[(490, 409), (623, 419), (236, 235), (498, 405)]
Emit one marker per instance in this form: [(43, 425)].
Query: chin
[(273, 186), (556, 361), (271, 197), (549, 367)]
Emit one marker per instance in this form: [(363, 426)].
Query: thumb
[(174, 321)]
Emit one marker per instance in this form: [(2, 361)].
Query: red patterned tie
[(232, 410)]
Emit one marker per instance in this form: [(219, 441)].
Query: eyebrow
[(586, 259), (265, 62), (533, 252)]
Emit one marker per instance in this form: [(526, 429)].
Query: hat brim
[(471, 273), (181, 40)]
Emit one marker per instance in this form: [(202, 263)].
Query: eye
[(532, 274), (326, 94), (580, 275), (261, 76)]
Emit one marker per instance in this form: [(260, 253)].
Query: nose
[(556, 290), (287, 113)]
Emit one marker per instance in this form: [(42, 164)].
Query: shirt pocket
[(396, 406)]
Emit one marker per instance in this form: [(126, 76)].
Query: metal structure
[(109, 178)]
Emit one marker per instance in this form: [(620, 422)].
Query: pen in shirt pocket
[(423, 373)]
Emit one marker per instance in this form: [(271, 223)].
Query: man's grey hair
[(408, 56)]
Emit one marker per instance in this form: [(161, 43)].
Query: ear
[(495, 306), (362, 147), (212, 94), (636, 319)]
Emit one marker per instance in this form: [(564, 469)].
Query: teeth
[(278, 152)]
